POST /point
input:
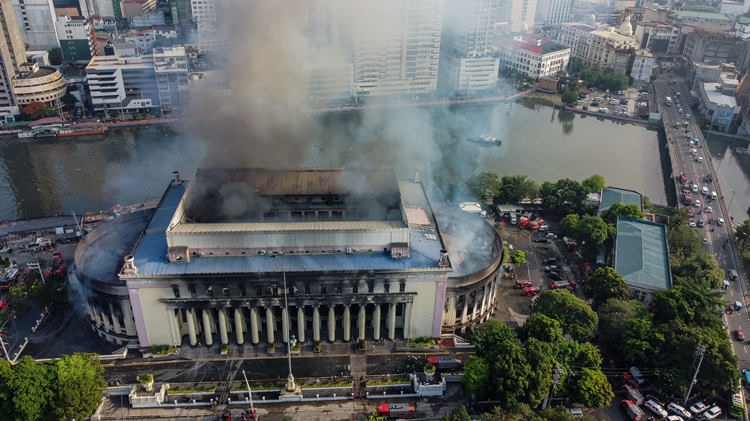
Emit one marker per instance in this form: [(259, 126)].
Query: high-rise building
[(12, 52), (594, 45), (396, 46), (171, 67), (76, 38), (36, 20), (466, 62), (123, 84), (518, 15), (553, 12)]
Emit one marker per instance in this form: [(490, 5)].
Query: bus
[(737, 405), (669, 100)]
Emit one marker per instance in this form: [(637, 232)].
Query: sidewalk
[(248, 351)]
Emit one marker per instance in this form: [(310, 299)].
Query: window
[(322, 289), (226, 292), (176, 292), (307, 290), (258, 291), (210, 292), (402, 287), (339, 289), (370, 288), (243, 292), (355, 289), (386, 288)]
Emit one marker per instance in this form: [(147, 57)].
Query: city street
[(718, 238)]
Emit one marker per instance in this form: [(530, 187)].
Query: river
[(40, 177)]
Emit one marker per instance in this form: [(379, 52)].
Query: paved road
[(721, 241), (40, 224)]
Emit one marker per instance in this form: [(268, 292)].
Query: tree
[(557, 413), (490, 335), (575, 316), (55, 57), (591, 389), (700, 267), (615, 314), (543, 328), (484, 186), (569, 225), (683, 243), (640, 340), (519, 258), (68, 100), (458, 414), (594, 183), (540, 359), (605, 284), (35, 110), (569, 98), (476, 377), (653, 77), (563, 197), (689, 301), (678, 218), (77, 386), (743, 232), (29, 384), (592, 232), (509, 374), (374, 416), (704, 123), (618, 209), (515, 188)]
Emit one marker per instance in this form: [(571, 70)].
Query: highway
[(721, 242)]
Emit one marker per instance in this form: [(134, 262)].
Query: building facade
[(36, 20), (126, 84), (466, 64), (133, 8), (643, 66), (171, 67), (657, 38), (532, 55), (718, 104), (77, 39), (518, 15), (742, 28), (396, 46), (716, 48), (329, 82), (102, 8), (553, 12), (349, 271), (12, 52), (707, 21), (592, 45), (34, 83)]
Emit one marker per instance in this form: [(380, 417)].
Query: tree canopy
[(618, 209), (484, 186), (575, 316), (605, 78), (514, 188), (605, 284), (569, 98), (594, 183), (564, 196)]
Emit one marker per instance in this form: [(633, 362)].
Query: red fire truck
[(398, 410)]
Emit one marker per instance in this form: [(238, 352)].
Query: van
[(513, 220), (577, 413), (713, 195), (637, 375)]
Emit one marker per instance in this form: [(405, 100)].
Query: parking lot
[(617, 103)]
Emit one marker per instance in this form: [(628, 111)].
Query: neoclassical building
[(363, 255)]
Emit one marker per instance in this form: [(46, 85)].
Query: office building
[(359, 254), (134, 8), (123, 84), (716, 48), (532, 55), (327, 84), (466, 60), (12, 55), (518, 15), (34, 83), (593, 45), (36, 20), (657, 37), (742, 28), (643, 66), (76, 36), (553, 12), (171, 67)]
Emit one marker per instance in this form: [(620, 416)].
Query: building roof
[(642, 254), (717, 97), (612, 195), (744, 20), (701, 15), (528, 43), (48, 120)]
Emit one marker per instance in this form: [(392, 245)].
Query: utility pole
[(558, 374), (699, 359)]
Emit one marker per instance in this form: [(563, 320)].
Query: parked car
[(656, 408), (552, 268), (549, 261), (623, 102), (698, 408), (712, 413), (701, 224), (678, 410), (614, 102), (540, 240)]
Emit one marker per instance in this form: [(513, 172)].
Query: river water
[(40, 177)]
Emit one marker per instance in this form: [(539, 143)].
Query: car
[(677, 125), (656, 408), (614, 102), (697, 203), (692, 224), (678, 410), (720, 221), (551, 268), (705, 240), (554, 276), (709, 209), (606, 91), (690, 212), (712, 413), (701, 224), (540, 240), (694, 188), (673, 418), (739, 335), (690, 142), (623, 102), (687, 116), (544, 228), (698, 408), (549, 261), (594, 103), (699, 159), (679, 110)]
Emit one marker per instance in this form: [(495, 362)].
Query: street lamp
[(730, 202)]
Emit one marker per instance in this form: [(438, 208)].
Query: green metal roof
[(702, 15), (642, 254), (612, 195)]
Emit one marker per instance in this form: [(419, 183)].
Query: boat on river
[(486, 140)]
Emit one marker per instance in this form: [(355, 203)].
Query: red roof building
[(532, 55)]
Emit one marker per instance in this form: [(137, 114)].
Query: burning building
[(362, 254)]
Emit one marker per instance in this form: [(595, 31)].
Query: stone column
[(301, 324), (450, 319), (191, 327), (207, 327), (465, 311), (270, 324), (376, 322), (331, 323), (127, 315), (239, 324), (285, 324), (223, 326), (115, 319), (347, 323), (391, 321), (316, 324), (361, 322), (254, 325), (407, 320)]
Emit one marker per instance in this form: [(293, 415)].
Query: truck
[(632, 394), (563, 284), (56, 260), (587, 270), (398, 410), (535, 223), (634, 411), (445, 363), (522, 284), (530, 290), (669, 100), (524, 219)]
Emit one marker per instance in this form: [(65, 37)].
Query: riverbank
[(653, 123)]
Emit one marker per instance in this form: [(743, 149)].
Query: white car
[(614, 102), (697, 203), (698, 408), (674, 418), (694, 188), (699, 159), (720, 221), (656, 408), (679, 110), (692, 224), (709, 209), (678, 410), (687, 116), (712, 413)]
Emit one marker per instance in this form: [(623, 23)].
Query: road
[(721, 243)]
